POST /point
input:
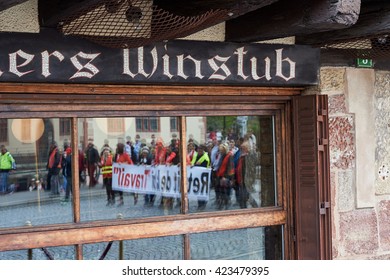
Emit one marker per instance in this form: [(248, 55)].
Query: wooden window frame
[(215, 100)]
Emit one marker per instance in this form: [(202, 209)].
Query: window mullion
[(75, 172), (183, 165)]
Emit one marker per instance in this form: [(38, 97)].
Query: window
[(115, 125), (64, 127), (150, 124), (249, 209), (3, 130), (174, 126), (162, 192)]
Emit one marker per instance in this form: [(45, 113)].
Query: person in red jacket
[(122, 157), (225, 175), (159, 152)]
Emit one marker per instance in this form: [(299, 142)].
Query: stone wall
[(359, 127)]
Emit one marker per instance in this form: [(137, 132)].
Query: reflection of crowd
[(232, 161), (139, 153)]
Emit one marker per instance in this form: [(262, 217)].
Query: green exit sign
[(364, 63)]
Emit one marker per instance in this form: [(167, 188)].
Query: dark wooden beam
[(6, 4), (196, 7), (293, 17), (374, 20), (53, 11)]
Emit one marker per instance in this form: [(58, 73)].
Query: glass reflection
[(263, 243), (33, 172), (129, 167), (161, 248), (239, 151)]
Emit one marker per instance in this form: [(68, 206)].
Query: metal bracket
[(323, 207)]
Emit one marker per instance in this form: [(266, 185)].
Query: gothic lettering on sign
[(46, 64), (13, 62), (40, 58), (92, 70)]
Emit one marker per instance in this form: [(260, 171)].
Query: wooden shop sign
[(51, 57)]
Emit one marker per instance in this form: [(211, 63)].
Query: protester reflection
[(67, 172), (7, 164), (122, 157), (146, 159), (92, 160), (105, 146), (172, 158), (54, 166), (159, 152), (81, 166), (201, 158), (106, 167), (225, 175), (246, 175), (191, 153)]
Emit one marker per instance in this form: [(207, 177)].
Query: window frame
[(255, 102)]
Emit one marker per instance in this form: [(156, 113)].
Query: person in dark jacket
[(92, 159), (67, 172), (145, 158)]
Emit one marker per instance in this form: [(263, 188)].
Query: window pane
[(161, 248), (240, 152), (146, 124), (174, 122), (154, 124), (139, 124), (264, 243), (3, 130), (65, 127), (34, 193), (128, 174)]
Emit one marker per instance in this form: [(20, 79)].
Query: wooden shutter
[(312, 188)]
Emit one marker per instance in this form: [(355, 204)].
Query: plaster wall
[(359, 126), (20, 18)]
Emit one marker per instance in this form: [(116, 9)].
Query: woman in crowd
[(122, 157), (106, 167), (225, 175)]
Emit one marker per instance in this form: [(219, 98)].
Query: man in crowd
[(7, 163), (92, 159)]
